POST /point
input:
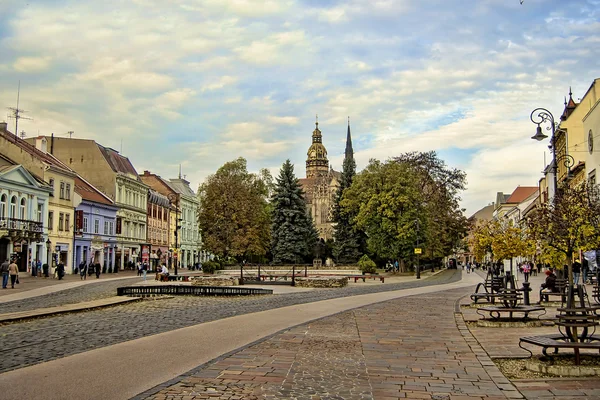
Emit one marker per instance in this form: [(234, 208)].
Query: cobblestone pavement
[(32, 342), (409, 348)]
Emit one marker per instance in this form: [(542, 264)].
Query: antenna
[(70, 133), (23, 135), (16, 111)]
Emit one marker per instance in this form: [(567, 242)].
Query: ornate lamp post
[(174, 198)]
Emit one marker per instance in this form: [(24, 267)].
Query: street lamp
[(418, 250), (48, 248), (541, 116), (174, 198)]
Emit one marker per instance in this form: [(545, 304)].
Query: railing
[(21, 225), (144, 291)]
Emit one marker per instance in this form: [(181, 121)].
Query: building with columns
[(113, 175), (95, 227), (23, 215)]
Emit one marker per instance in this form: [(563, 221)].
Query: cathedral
[(321, 183)]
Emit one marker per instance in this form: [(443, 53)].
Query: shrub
[(210, 267), (366, 265)]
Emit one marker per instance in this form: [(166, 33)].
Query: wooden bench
[(496, 311), (561, 287), (558, 341), (364, 277)]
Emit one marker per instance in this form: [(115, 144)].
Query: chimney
[(3, 126), (52, 144)]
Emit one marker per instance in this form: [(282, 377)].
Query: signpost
[(417, 250)]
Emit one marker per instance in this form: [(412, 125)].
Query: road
[(32, 342)]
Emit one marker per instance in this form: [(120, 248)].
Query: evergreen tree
[(348, 240), (293, 233)]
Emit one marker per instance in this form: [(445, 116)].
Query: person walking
[(97, 266), (585, 269), (83, 271), (526, 271), (13, 270), (144, 270), (60, 271), (576, 271), (4, 270)]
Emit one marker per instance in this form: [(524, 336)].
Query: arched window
[(22, 208), (13, 207), (3, 206)]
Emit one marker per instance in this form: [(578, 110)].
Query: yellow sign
[(417, 251)]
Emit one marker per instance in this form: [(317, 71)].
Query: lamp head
[(539, 135)]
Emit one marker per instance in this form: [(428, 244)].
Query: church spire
[(349, 153)]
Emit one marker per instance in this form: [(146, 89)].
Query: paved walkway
[(144, 363)]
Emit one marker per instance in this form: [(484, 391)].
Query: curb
[(50, 311)]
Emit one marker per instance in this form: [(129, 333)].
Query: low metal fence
[(143, 291)]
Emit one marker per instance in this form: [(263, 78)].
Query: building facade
[(320, 185), (114, 175), (23, 215), (40, 163), (591, 130), (188, 214), (159, 208), (95, 227)]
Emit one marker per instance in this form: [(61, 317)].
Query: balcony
[(19, 229)]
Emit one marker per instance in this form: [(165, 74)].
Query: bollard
[(526, 289)]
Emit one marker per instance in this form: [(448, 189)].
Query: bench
[(180, 278), (364, 277), (495, 311), (558, 341), (561, 290), (489, 289)]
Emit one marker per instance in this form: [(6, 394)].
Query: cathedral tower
[(317, 163)]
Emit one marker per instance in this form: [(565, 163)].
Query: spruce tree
[(293, 233), (348, 240)]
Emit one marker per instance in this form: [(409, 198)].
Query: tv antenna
[(23, 134), (16, 111), (70, 133)]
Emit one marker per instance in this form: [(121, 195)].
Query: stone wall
[(214, 281), (321, 282)]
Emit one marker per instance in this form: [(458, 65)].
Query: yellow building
[(591, 130), (61, 205)]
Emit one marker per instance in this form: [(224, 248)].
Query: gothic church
[(321, 183)]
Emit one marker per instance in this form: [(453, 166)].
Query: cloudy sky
[(201, 82)]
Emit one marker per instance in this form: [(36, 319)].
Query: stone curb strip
[(509, 390), (68, 308)]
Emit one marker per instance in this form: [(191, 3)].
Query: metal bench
[(488, 290), (558, 341), (561, 290), (364, 277), (495, 311)]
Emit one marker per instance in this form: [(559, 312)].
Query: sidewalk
[(173, 353)]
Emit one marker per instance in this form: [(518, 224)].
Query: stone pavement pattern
[(405, 348), (31, 342)]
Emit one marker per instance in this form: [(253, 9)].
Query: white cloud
[(31, 64)]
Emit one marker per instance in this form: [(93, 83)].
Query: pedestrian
[(45, 269), (13, 270), (144, 270), (33, 268), (396, 266), (4, 269), (468, 268), (139, 269), (576, 271), (97, 266), (83, 270), (526, 270), (585, 268), (60, 271)]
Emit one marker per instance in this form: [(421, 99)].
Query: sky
[(202, 82)]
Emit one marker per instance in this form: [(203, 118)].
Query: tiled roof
[(521, 193), (117, 162), (181, 186), (89, 192)]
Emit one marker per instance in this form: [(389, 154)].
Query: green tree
[(293, 233), (384, 201), (234, 217), (349, 240)]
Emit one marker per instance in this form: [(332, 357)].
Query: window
[(3, 206), (62, 190), (68, 192), (61, 218), (96, 226), (50, 220), (68, 222), (40, 216), (106, 227), (85, 225), (111, 227), (51, 182), (13, 207), (22, 208)]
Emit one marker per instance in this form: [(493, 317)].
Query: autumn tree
[(234, 217), (569, 222), (293, 233)]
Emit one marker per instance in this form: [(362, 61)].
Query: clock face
[(590, 142)]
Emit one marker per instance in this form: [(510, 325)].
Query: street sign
[(417, 250)]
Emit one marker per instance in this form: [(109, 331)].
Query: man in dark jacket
[(576, 271)]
